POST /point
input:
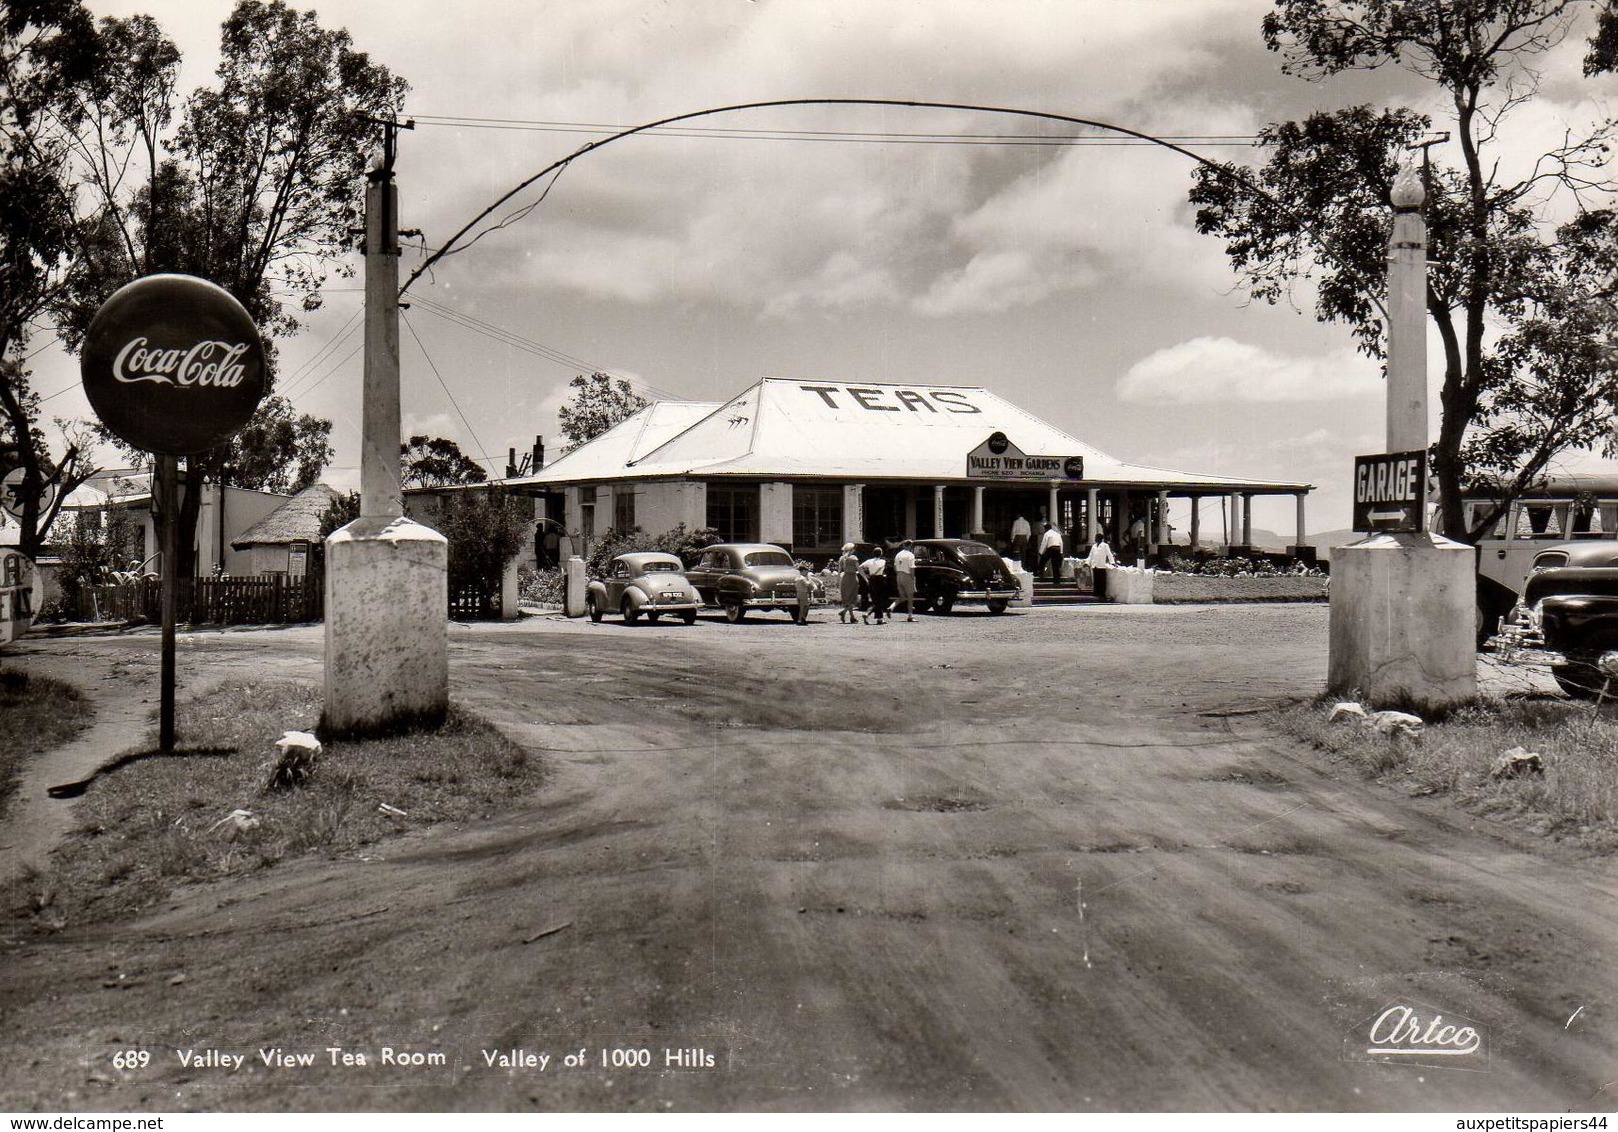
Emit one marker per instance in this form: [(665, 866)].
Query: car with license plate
[(1569, 608), (956, 571), (643, 583), (740, 577)]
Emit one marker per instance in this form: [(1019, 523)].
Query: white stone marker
[(1403, 606), (387, 577)]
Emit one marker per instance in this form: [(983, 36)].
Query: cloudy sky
[(841, 242)]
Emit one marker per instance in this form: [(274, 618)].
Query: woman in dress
[(848, 567)]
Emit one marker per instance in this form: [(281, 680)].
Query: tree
[(43, 56), (1526, 369), (257, 187), (599, 402), (484, 530), (437, 462)]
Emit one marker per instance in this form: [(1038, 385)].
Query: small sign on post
[(1390, 492)]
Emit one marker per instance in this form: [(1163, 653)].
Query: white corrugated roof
[(842, 430)]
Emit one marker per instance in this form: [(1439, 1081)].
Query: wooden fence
[(274, 599)]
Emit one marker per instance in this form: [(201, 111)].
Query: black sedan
[(950, 571)]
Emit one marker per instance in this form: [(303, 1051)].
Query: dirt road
[(1040, 861)]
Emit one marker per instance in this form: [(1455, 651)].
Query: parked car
[(741, 576), (1569, 607), (649, 582), (950, 571)]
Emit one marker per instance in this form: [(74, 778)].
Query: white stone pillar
[(1160, 528), (1403, 624), (387, 590), (853, 512), (1301, 535), (1196, 522), (1247, 520), (977, 513), (938, 511), (1092, 504), (1055, 512)]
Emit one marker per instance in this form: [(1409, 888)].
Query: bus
[(1569, 508)]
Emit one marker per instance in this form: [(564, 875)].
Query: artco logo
[(1410, 1033)]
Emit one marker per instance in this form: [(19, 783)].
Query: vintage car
[(739, 576), (1569, 607), (649, 582), (950, 571)]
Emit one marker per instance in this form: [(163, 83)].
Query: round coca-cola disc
[(173, 364)]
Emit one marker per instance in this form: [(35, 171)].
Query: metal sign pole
[(168, 496)]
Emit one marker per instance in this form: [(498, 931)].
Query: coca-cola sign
[(173, 364)]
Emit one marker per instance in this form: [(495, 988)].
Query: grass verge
[(47, 712), (158, 822), (1575, 800)]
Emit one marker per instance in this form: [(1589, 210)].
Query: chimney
[(511, 462), (539, 453)]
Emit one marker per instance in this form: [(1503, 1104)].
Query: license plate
[(672, 595)]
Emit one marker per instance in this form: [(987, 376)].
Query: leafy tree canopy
[(437, 462), (598, 402), (1528, 366)]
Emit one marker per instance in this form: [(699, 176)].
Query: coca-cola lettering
[(206, 363), (173, 364)]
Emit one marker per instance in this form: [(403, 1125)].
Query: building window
[(623, 509), (733, 512), (817, 517)]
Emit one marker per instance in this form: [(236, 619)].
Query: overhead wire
[(420, 345)]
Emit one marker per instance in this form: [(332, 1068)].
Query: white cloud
[(1207, 370)]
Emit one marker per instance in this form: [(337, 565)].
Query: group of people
[(1048, 552), (887, 584), (1037, 557)]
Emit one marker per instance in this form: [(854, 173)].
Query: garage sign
[(1390, 491)]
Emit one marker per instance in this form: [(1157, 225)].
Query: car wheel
[(1579, 679), (631, 614), (924, 604), (734, 610), (1488, 619), (689, 617), (592, 608), (946, 602), (997, 607)]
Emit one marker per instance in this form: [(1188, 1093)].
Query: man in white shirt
[(1101, 560), (1021, 532), (904, 576), (1050, 551)]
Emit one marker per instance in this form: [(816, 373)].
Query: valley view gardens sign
[(172, 365), (999, 459)]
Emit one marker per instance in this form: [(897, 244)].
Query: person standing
[(875, 571), (904, 578), (1021, 532), (805, 593), (1050, 551), (1101, 560), (848, 584)]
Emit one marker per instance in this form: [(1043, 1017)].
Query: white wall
[(775, 512), (664, 505)]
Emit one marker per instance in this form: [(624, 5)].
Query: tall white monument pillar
[(387, 589), (1403, 604)]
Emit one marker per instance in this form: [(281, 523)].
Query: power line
[(482, 455), (528, 345), (332, 344), (856, 136)]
